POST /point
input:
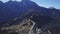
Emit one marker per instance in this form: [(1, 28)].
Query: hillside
[(13, 13)]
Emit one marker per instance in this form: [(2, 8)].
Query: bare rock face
[(24, 27)]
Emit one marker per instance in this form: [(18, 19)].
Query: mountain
[(13, 13), (13, 10)]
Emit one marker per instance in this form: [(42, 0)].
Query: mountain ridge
[(13, 9)]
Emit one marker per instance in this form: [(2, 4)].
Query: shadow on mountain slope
[(13, 12)]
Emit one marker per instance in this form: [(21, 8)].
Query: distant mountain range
[(13, 13), (25, 9)]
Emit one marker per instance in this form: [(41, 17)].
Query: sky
[(44, 3)]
